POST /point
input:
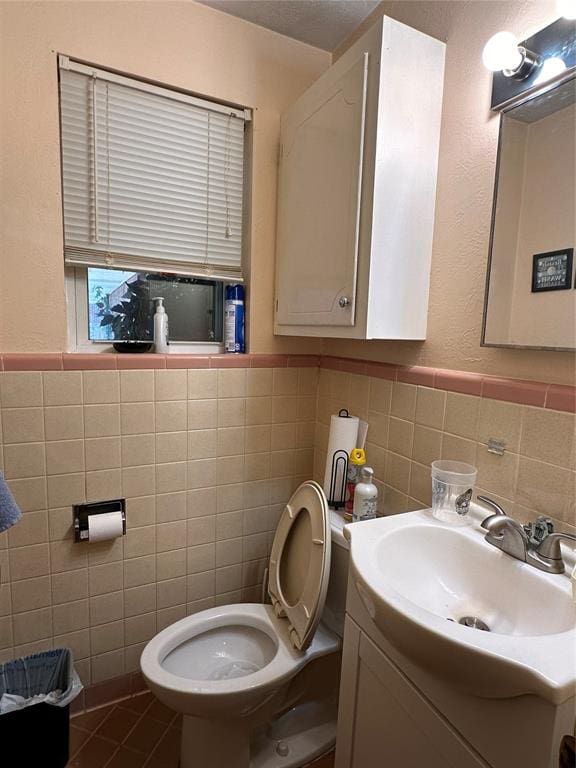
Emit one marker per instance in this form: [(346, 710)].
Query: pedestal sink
[(419, 577)]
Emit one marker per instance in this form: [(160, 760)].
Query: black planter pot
[(132, 346)]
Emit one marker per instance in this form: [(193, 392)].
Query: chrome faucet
[(534, 543)]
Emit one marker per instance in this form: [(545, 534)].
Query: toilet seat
[(299, 567)]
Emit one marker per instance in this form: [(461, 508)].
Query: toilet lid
[(300, 563)]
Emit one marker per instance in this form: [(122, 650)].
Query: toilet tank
[(335, 606)]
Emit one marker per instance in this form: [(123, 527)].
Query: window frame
[(76, 279)]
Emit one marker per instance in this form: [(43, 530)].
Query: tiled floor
[(136, 733)]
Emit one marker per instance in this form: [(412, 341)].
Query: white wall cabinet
[(358, 166)]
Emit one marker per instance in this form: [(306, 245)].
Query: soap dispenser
[(161, 342)]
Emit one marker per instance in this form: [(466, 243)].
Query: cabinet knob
[(344, 301)]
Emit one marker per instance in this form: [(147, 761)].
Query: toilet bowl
[(257, 684)]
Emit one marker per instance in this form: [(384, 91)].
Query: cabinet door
[(319, 201)]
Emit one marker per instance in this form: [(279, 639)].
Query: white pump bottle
[(161, 342)]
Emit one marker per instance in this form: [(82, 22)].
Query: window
[(152, 183)]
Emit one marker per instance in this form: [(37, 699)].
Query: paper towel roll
[(343, 436), (106, 525)]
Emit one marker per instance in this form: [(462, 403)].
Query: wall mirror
[(531, 292)]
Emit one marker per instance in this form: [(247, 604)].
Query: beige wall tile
[(229, 552), (232, 382), (201, 473), (202, 384), (64, 490), (403, 401), (170, 385), (140, 511), (259, 438), (102, 552), (230, 498), (170, 536), (230, 441), (547, 489), (401, 436), (107, 637), (102, 453), (202, 501), (137, 450), (200, 558), (32, 625), (497, 473), (360, 395), (103, 484), (427, 445), (64, 422), (171, 507), (228, 579), (459, 449), (199, 586), (378, 426), (101, 420), (229, 469), (421, 483), (28, 562), (229, 525), (101, 387), (171, 446), (430, 406), (31, 594), (168, 616), (68, 556), (549, 436), (60, 524), (107, 666), (202, 414), (107, 608), (170, 593), (137, 418), (6, 637), (71, 616), (62, 387), (397, 472), (22, 425), (202, 444), (79, 644), (285, 381), (500, 421), (30, 493), (305, 433), (139, 571), (306, 408), (139, 481), (259, 382), (140, 629), (283, 436), (461, 415), (171, 565), (140, 541), (231, 412), (31, 529), (24, 460), (308, 381), (139, 600), (258, 410), (200, 530), (64, 457), (69, 586), (136, 386), (284, 409), (19, 389), (103, 579)]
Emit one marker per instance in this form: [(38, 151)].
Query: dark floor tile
[(146, 735), (89, 721), (126, 758), (94, 754), (326, 761), (168, 749), (77, 739), (159, 711), (117, 725)]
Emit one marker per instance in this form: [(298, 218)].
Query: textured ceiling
[(322, 23)]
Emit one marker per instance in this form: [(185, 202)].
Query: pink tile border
[(515, 391), (561, 398), (108, 691), (32, 362), (535, 393)]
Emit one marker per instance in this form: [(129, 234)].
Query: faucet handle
[(498, 511), (538, 530)]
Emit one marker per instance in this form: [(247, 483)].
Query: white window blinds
[(152, 178)]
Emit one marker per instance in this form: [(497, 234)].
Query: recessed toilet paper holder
[(82, 512)]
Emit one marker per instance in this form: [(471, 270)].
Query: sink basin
[(419, 577)]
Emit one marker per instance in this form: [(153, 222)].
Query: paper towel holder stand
[(82, 512)]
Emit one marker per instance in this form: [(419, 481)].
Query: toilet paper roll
[(343, 437), (106, 525)]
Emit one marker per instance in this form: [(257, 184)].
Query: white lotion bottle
[(365, 497), (161, 342)]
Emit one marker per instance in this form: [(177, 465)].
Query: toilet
[(257, 684)]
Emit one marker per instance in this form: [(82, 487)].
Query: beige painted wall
[(464, 197), (177, 43)]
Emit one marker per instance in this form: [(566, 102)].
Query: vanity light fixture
[(503, 54)]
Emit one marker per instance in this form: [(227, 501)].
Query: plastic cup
[(452, 488)]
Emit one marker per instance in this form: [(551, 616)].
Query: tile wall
[(412, 425), (206, 460)]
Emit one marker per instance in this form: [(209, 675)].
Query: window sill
[(176, 348)]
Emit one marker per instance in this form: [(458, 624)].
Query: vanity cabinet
[(358, 166)]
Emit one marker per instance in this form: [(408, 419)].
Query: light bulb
[(566, 8), (550, 68), (501, 52)]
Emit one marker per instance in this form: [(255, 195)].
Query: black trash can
[(36, 733)]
